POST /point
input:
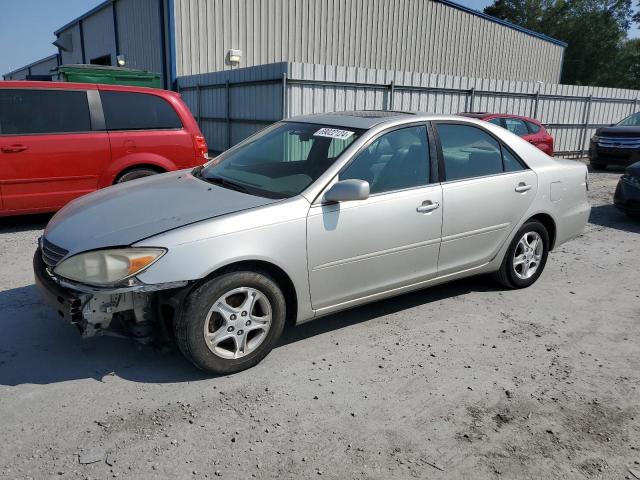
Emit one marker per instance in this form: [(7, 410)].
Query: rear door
[(145, 128), (49, 153), (485, 192)]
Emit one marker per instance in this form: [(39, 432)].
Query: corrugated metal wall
[(229, 114), (99, 35), (139, 30), (412, 35), (139, 33), (565, 109), (41, 67), (75, 55)]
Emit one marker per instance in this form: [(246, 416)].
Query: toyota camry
[(310, 216)]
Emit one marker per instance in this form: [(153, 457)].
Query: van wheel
[(526, 257), (136, 173), (231, 322)]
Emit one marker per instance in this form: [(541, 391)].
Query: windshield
[(631, 121), (282, 160)]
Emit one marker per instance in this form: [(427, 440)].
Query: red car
[(528, 128), (61, 140)]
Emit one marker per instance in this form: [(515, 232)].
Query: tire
[(135, 174), (514, 276), (598, 165), (231, 327)]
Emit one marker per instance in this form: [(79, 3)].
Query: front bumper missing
[(123, 311)]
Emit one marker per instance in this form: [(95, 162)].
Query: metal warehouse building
[(186, 37)]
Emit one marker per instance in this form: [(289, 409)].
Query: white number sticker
[(333, 133)]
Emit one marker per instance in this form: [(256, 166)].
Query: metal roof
[(95, 9), (478, 13), (444, 2), (42, 60)]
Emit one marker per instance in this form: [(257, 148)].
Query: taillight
[(201, 146)]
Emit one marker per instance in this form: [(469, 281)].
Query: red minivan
[(61, 140), (529, 129)]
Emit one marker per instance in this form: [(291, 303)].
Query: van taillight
[(201, 146)]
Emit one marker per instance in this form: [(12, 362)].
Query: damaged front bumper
[(131, 310)]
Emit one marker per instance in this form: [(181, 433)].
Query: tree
[(595, 31)]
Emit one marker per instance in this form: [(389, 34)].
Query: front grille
[(52, 254), (619, 142)]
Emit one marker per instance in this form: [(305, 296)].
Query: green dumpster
[(109, 75)]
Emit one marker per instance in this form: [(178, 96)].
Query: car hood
[(633, 169), (619, 131), (129, 212)]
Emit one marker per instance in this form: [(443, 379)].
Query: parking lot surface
[(464, 380)]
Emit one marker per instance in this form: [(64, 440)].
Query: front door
[(48, 153), (390, 240), (486, 191)]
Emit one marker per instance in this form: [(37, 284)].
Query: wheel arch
[(277, 273), (549, 223), (151, 166)]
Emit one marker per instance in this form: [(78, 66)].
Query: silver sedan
[(310, 216)]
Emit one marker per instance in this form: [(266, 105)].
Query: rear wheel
[(136, 173), (526, 257), (231, 322)]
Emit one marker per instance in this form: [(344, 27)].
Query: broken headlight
[(108, 267)]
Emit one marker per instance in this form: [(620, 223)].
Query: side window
[(468, 152), (497, 121), (517, 126), (137, 111), (511, 163), (394, 161), (43, 111), (533, 128)]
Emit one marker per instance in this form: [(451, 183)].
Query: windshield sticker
[(333, 133)]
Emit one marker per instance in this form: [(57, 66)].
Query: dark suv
[(618, 144)]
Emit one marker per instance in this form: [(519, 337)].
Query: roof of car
[(364, 119)]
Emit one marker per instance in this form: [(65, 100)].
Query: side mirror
[(347, 190)]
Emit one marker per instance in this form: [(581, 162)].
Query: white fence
[(231, 105)]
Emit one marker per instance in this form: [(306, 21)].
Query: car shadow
[(609, 216), (347, 318), (24, 223), (37, 347)]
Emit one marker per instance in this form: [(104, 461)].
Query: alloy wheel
[(238, 323), (528, 255)]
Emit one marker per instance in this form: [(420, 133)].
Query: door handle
[(428, 206), (13, 148), (523, 187)]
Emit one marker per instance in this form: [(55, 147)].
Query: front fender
[(274, 234), (132, 160)]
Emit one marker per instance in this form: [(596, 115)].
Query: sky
[(27, 26)]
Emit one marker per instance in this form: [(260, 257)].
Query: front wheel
[(526, 257), (231, 322)]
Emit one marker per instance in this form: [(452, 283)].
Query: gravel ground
[(464, 380)]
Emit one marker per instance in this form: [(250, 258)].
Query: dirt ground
[(464, 380)]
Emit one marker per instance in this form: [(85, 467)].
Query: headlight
[(595, 138), (106, 267)]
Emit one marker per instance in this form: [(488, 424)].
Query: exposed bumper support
[(93, 310)]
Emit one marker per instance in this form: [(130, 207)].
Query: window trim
[(442, 176), (429, 160), (107, 129), (45, 89)]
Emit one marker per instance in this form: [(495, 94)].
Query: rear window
[(137, 111), (533, 128), (24, 112)]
